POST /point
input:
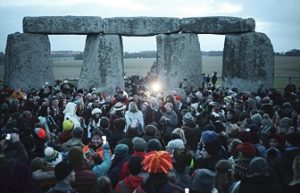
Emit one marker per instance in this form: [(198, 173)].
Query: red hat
[(247, 149), (40, 132), (157, 162), (279, 138)]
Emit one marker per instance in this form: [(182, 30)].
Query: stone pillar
[(178, 58), (102, 63), (28, 61), (248, 61)]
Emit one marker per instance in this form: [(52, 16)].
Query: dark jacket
[(114, 172), (259, 184), (85, 179)]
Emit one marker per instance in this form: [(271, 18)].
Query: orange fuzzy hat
[(157, 162)]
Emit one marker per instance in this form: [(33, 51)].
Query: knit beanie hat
[(154, 144), (208, 136), (52, 156), (175, 144), (76, 156), (258, 166), (203, 181), (121, 150), (212, 142), (139, 144), (40, 132), (246, 152), (157, 162), (256, 118), (188, 118), (68, 125), (77, 132), (62, 170), (96, 110)]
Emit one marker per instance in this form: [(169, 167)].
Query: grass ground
[(284, 67)]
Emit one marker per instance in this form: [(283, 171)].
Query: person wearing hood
[(134, 115), (70, 114), (136, 177)]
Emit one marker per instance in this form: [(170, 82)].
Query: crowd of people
[(209, 140)]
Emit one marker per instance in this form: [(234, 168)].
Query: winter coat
[(130, 117), (259, 184), (62, 188), (15, 176), (129, 184), (102, 169), (168, 187), (85, 179), (44, 179), (114, 172), (73, 142)]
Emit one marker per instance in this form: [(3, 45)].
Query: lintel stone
[(63, 25), (217, 25), (141, 26)]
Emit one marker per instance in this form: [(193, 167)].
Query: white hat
[(119, 106), (53, 157), (96, 110)]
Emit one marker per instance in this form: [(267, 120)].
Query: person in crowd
[(75, 141), (223, 178), (85, 179), (134, 115), (94, 122), (120, 156), (65, 175), (103, 185), (158, 164), (203, 181)]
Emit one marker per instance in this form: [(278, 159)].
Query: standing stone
[(179, 58), (141, 26), (102, 63), (217, 25), (63, 25), (28, 61), (248, 61)]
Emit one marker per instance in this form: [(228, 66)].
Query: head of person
[(96, 113), (103, 185), (203, 181), (150, 130), (119, 124), (64, 172), (104, 122), (132, 107), (135, 165), (169, 107), (96, 140)]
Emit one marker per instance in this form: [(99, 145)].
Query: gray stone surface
[(141, 26), (248, 61), (63, 25), (28, 62), (179, 57), (217, 25), (102, 63)]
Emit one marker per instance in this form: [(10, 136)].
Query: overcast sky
[(279, 19)]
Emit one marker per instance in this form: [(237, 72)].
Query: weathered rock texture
[(141, 26), (102, 63), (248, 61), (217, 25), (178, 58), (28, 61), (63, 25)]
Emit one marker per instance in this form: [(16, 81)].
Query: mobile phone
[(104, 139)]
